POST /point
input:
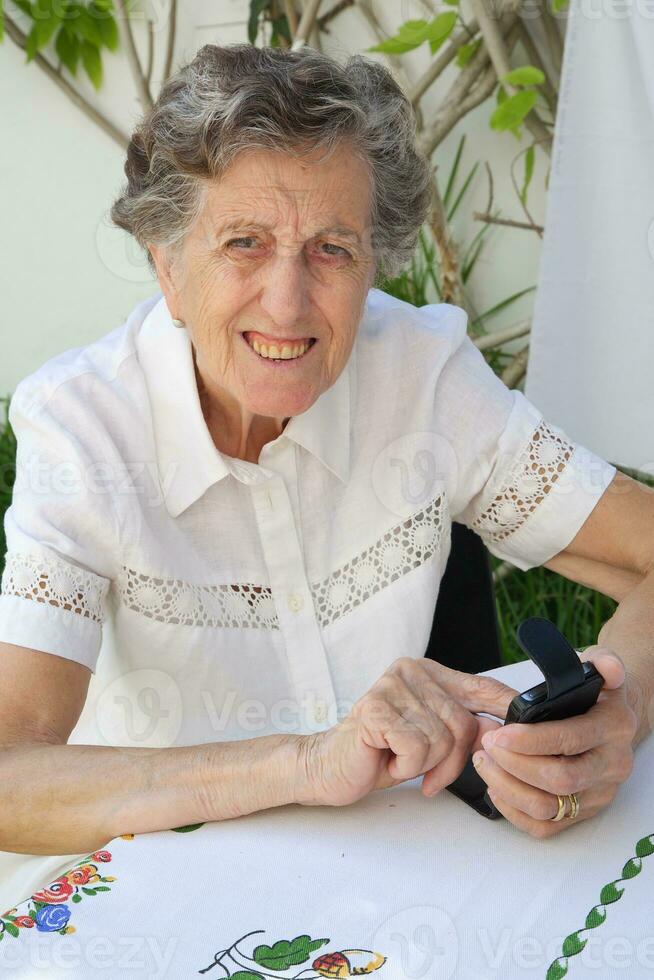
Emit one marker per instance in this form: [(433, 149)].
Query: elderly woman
[(233, 511)]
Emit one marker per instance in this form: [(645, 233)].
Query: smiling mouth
[(282, 350)]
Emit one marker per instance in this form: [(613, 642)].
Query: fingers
[(476, 692), (562, 774), (540, 829), (610, 720), (608, 662), (408, 713)]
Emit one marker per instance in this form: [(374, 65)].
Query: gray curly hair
[(239, 97)]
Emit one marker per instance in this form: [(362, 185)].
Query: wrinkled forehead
[(278, 193)]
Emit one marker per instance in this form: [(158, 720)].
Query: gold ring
[(560, 813), (574, 805)]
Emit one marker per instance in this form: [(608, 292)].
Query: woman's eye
[(338, 249), (244, 239)]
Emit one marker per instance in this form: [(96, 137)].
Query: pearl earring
[(178, 323)]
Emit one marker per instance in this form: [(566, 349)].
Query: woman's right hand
[(419, 718)]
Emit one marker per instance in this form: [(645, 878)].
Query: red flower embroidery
[(102, 856), (24, 921), (80, 876), (57, 891)]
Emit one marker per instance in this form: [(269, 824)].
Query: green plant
[(7, 471)]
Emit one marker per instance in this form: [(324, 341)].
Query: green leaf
[(440, 29), (186, 829), (67, 48), (245, 975), (107, 27), (256, 7), (88, 26), (530, 156), (461, 194), (23, 5), (455, 169), (527, 75), (467, 52), (573, 944), (2, 22), (595, 917), (556, 971), (501, 95), (513, 110), (88, 891), (92, 63), (559, 5), (610, 893), (284, 954), (411, 35), (632, 868), (102, 888), (644, 847), (12, 929), (76, 898)]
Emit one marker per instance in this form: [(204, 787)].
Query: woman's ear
[(164, 267)]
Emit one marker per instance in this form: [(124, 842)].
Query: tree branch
[(291, 17), (338, 8), (490, 219), (150, 61), (452, 288), (125, 28), (499, 56), (170, 49), (463, 95), (499, 337), (438, 66), (395, 63), (550, 89), (107, 127), (307, 22), (515, 369), (553, 37)]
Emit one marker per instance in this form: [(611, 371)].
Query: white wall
[(67, 277)]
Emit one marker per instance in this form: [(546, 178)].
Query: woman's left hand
[(589, 754)]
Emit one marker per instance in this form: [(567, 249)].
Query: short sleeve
[(522, 484), (59, 530)]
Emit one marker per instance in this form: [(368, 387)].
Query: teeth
[(286, 353)]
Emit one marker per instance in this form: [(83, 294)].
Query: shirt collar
[(187, 458)]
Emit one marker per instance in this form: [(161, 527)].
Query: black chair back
[(465, 634)]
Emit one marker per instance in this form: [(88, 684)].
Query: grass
[(7, 470)]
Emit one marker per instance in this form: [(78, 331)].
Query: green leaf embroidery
[(284, 954), (187, 828), (12, 929), (573, 944), (76, 898), (245, 975)]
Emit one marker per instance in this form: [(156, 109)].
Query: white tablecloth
[(429, 886)]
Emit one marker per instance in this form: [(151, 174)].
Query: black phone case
[(570, 688)]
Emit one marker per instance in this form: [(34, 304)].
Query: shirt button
[(320, 712), (295, 602)]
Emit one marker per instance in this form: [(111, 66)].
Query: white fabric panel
[(592, 349)]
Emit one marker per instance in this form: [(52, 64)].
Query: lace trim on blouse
[(532, 477), (403, 548), (57, 583)]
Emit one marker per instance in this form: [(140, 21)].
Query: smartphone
[(570, 688)]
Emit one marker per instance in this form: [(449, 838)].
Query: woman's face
[(278, 264)]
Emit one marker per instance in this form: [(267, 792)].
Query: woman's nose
[(285, 294)]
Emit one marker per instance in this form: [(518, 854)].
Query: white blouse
[(217, 599)]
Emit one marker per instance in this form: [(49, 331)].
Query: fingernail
[(488, 739), (477, 759)]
